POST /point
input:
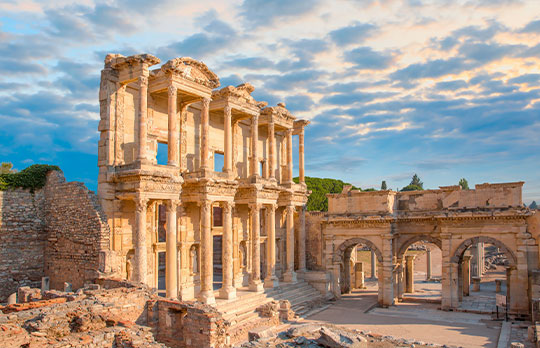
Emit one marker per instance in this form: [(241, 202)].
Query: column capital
[(291, 208), (272, 206), (206, 102), (141, 204), (143, 80), (227, 110), (255, 117), (172, 204), (172, 90), (289, 132), (255, 206), (227, 206)]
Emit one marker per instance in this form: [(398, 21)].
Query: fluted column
[(207, 253), (171, 270), (173, 128), (227, 160), (254, 145), (143, 108), (227, 289), (271, 280), (289, 156), (290, 274), (205, 129), (255, 283), (301, 176), (140, 261), (302, 240), (271, 150)]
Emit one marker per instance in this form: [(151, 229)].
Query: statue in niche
[(242, 251), (129, 267), (194, 260)]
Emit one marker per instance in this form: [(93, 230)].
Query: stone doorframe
[(342, 268)]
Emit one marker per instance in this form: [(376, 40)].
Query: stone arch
[(405, 245), (458, 254), (340, 252)]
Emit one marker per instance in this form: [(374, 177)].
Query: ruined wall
[(22, 241), (314, 240), (59, 231), (76, 229)]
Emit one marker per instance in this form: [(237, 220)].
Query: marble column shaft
[(373, 264), (172, 146), (205, 129), (302, 240), (255, 283), (271, 280), (142, 109), (255, 145), (227, 289), (301, 175), (466, 273), (428, 264), (171, 271), (207, 252), (272, 150), (290, 274), (409, 273), (289, 156), (140, 257), (227, 160)]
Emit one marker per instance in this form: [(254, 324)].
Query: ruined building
[(220, 209)]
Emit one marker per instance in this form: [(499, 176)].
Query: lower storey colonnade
[(248, 246)]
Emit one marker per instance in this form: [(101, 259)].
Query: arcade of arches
[(455, 220)]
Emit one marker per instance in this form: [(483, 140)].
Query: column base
[(227, 293), (301, 273), (207, 297), (186, 293), (256, 286), (271, 282), (290, 277)]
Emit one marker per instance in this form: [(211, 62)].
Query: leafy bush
[(317, 201), (412, 187), (33, 177)]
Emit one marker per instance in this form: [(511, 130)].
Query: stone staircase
[(242, 309)]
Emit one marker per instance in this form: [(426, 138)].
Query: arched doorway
[(418, 270), (484, 267), (359, 251)]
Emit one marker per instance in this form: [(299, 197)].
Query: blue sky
[(443, 88)]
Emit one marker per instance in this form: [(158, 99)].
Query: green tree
[(383, 186), (533, 205), (464, 184), (415, 185), (319, 187), (6, 168)]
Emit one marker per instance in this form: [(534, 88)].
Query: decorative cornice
[(192, 70)]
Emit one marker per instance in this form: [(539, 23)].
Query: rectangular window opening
[(162, 156), (162, 223), (219, 161), (217, 217)]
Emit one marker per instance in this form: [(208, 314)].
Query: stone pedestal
[(498, 285), (409, 273), (476, 283), (359, 275)]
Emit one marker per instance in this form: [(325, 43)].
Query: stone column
[(271, 280), (301, 176), (172, 146), (428, 262), (227, 289), (207, 254), (271, 150), (289, 156), (227, 160), (171, 271), (302, 240), (466, 272), (480, 259), (205, 129), (373, 265), (409, 273), (143, 109), (290, 274), (254, 145), (140, 262), (255, 283), (182, 151)]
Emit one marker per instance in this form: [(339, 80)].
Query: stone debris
[(317, 335)]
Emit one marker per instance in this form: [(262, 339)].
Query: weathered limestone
[(359, 275), (466, 272), (373, 265), (178, 104), (428, 264), (476, 283)]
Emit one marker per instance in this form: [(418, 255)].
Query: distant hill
[(320, 187)]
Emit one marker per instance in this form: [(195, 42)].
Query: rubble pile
[(328, 336), (91, 317)]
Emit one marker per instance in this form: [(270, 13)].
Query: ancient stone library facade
[(220, 208)]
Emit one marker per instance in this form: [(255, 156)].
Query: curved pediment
[(241, 93), (192, 69)]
